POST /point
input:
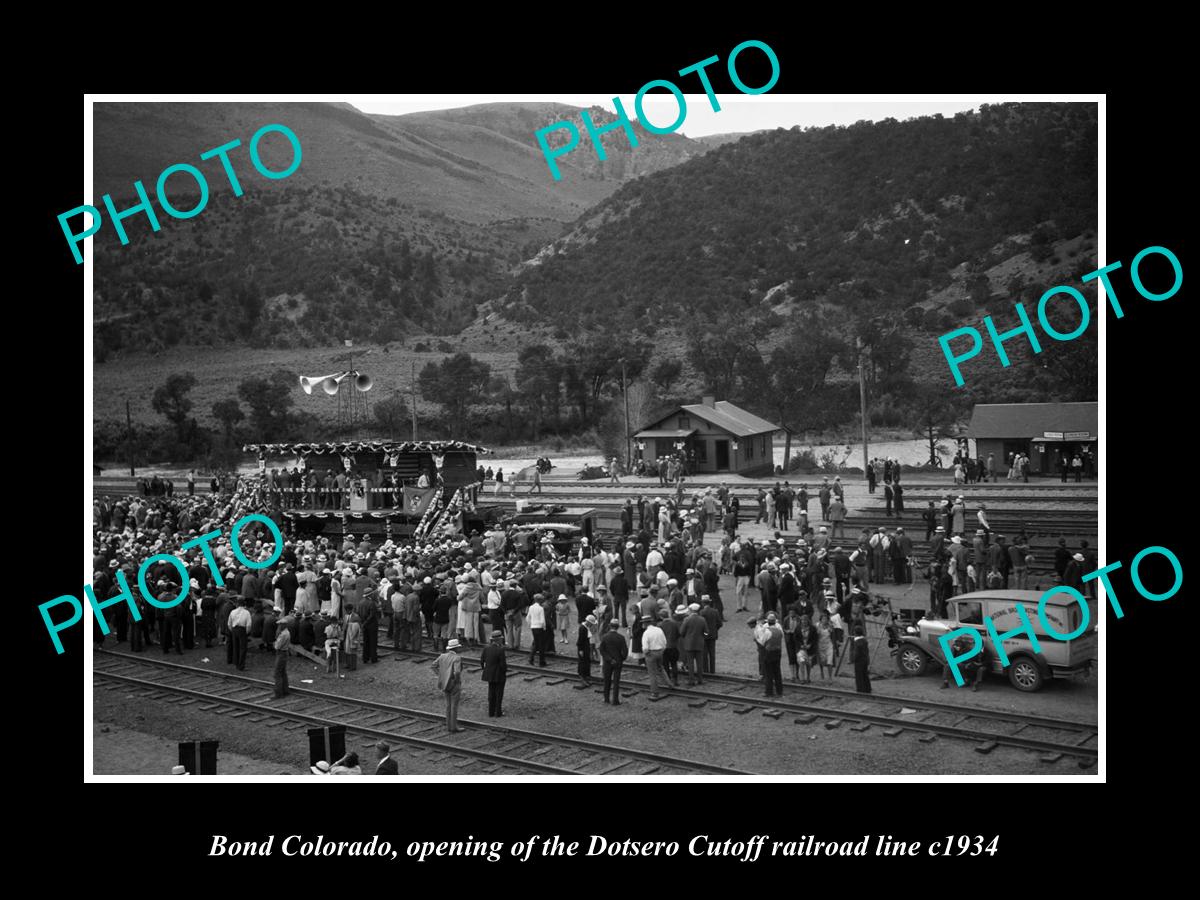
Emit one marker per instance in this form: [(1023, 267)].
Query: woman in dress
[(807, 646), (825, 646)]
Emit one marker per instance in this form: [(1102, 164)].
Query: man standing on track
[(495, 673), (239, 627), (537, 629), (691, 639), (613, 651), (448, 668), (654, 645)]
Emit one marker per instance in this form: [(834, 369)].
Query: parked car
[(917, 648)]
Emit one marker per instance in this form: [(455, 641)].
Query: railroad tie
[(720, 704), (773, 713), (892, 732), (986, 747), (742, 710), (553, 680), (804, 720), (697, 704), (928, 738), (833, 723), (861, 726), (1050, 757)]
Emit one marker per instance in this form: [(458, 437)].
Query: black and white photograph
[(494, 437)]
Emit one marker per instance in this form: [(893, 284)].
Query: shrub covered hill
[(391, 224), (892, 231)]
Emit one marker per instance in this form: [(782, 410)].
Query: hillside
[(873, 218), (391, 223)]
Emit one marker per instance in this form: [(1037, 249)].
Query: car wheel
[(911, 660), (1026, 675)]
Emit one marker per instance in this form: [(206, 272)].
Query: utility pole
[(413, 395), (625, 394), (862, 394), (129, 435)]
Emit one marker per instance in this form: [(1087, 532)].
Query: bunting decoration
[(349, 447)]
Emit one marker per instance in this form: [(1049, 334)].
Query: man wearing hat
[(448, 668), (712, 625), (1073, 572), (495, 672), (670, 629), (771, 639), (692, 633), (958, 564), (654, 645), (613, 651)]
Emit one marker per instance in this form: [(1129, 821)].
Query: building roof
[(725, 416), (1030, 420), (677, 433), (388, 447)]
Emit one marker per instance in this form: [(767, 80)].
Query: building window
[(702, 451), (685, 423), (750, 449)]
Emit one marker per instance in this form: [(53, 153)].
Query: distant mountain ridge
[(467, 188)]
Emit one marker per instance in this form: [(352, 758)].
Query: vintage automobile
[(917, 648)]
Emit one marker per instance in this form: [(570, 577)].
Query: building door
[(722, 456)]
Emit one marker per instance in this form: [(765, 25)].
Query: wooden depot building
[(1045, 431), (714, 436)]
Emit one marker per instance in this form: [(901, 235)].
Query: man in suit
[(613, 650), (387, 765), (692, 633), (712, 621), (495, 673), (368, 613)]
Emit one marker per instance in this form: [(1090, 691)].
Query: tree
[(456, 384), (724, 349), (797, 375), (228, 413), (270, 402), (936, 414), (539, 377), (665, 373), (392, 415), (171, 401)]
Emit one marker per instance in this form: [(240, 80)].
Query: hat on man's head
[(694, 607), (321, 768), (454, 644)]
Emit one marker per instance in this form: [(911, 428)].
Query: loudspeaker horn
[(363, 381), (308, 382)]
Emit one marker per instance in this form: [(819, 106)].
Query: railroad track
[(497, 749), (1053, 737)]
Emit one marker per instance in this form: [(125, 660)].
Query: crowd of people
[(650, 598)]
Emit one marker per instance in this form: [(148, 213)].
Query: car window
[(970, 612)]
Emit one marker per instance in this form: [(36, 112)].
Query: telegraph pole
[(625, 394), (862, 395), (129, 436), (413, 395)]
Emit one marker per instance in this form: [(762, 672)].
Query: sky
[(739, 112)]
